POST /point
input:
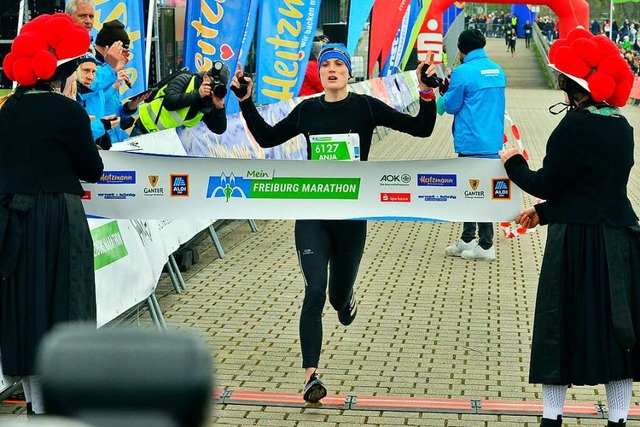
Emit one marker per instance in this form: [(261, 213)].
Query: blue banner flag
[(285, 33), (401, 41), (130, 13), (358, 15), (247, 39), (213, 31)]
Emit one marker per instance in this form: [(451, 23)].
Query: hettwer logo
[(179, 185), (153, 191), (118, 177), (474, 193), (501, 189), (437, 180), (231, 186)]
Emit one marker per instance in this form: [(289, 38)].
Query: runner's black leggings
[(337, 244)]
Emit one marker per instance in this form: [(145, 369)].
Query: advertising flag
[(130, 13), (401, 41), (285, 34), (247, 39), (415, 30), (358, 15), (207, 35), (385, 21)]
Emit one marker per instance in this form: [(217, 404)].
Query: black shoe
[(314, 390), (546, 422), (348, 314), (620, 423)]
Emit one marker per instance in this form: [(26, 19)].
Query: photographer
[(186, 100)]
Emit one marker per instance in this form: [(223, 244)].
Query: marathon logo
[(179, 185), (118, 177), (501, 189), (395, 197), (431, 180)]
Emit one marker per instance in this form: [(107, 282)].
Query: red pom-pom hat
[(43, 44), (595, 63)]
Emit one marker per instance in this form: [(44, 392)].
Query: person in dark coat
[(587, 318), (46, 250)]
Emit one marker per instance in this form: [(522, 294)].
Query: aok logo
[(501, 189), (393, 179), (179, 185)]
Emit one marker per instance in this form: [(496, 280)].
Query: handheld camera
[(218, 79)]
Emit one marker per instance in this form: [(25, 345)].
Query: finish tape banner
[(143, 186)]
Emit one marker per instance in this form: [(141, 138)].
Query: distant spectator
[(311, 83), (595, 27)]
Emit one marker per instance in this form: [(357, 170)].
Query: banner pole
[(611, 20), (147, 51)]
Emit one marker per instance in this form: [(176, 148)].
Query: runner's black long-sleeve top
[(355, 114)]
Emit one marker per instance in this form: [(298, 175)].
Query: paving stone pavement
[(427, 325)]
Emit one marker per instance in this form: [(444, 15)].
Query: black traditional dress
[(46, 250), (587, 318)]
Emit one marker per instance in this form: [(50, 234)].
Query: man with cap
[(475, 96), (311, 83), (187, 100), (114, 33)]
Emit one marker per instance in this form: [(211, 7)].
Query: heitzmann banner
[(285, 34), (143, 186)]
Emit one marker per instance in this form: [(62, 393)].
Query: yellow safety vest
[(154, 116)]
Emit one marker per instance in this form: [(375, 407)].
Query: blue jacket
[(105, 78), (93, 102), (476, 98)]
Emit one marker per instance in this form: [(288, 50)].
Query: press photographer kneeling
[(185, 100)]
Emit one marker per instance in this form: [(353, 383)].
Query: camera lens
[(220, 91)]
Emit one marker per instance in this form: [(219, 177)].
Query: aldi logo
[(179, 185), (501, 189), (395, 197)]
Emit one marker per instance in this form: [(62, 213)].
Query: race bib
[(343, 146)]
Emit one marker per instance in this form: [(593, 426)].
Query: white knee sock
[(553, 400), (26, 389), (619, 399), (37, 401)]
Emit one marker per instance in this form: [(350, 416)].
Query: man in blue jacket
[(476, 98)]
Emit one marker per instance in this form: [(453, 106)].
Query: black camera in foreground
[(219, 74)]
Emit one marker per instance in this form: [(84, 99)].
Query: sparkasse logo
[(395, 197)]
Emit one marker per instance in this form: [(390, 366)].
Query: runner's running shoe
[(347, 314), (314, 390)]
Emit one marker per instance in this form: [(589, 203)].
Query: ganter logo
[(474, 193), (231, 186), (501, 189), (153, 191)]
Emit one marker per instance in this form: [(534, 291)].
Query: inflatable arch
[(570, 12)]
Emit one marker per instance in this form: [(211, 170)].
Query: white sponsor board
[(160, 187)]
